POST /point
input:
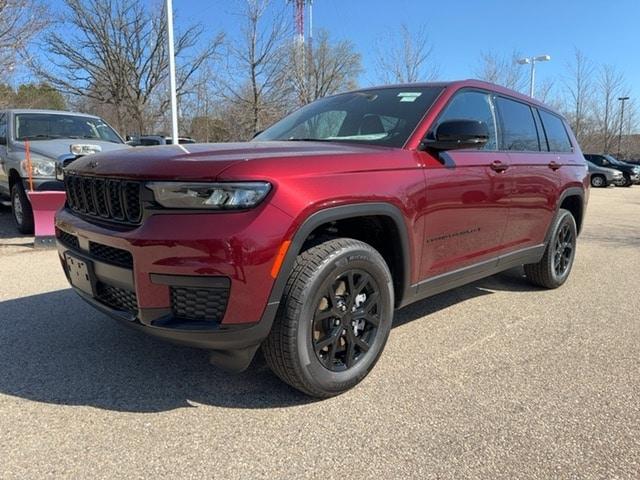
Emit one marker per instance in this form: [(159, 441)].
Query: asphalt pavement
[(497, 379)]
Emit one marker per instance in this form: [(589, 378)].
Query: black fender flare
[(331, 214), (568, 192)]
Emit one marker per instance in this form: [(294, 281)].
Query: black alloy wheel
[(346, 320)]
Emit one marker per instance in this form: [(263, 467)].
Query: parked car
[(153, 140), (604, 177), (305, 240), (54, 137), (630, 172)]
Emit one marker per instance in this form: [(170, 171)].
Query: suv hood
[(202, 161), (61, 146)]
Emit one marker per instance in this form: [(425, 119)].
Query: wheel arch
[(341, 213), (573, 200)]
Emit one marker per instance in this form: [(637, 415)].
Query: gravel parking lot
[(493, 380)]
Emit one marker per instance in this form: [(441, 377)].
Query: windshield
[(613, 160), (45, 126), (385, 116)]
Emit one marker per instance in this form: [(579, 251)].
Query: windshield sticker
[(409, 96)]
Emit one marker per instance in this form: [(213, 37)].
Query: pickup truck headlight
[(214, 196), (40, 167)]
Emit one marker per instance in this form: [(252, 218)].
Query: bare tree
[(579, 89), (322, 69), (20, 21), (406, 57), (502, 70), (115, 52), (609, 87), (252, 83)]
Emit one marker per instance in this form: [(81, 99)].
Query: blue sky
[(606, 31)]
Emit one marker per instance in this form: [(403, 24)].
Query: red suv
[(304, 240)]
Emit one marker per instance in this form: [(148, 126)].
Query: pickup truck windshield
[(384, 116), (47, 126)]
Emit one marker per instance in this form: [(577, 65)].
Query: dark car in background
[(603, 176), (631, 173), (153, 140)]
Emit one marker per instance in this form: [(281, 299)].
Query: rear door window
[(556, 132), (473, 105), (517, 126)]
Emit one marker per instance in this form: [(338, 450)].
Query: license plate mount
[(81, 274)]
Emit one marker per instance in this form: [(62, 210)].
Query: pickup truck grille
[(104, 198)]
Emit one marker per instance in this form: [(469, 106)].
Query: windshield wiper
[(294, 139), (38, 137)]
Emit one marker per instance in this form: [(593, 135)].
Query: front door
[(467, 204), (4, 174)]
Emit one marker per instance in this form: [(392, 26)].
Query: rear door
[(466, 207)]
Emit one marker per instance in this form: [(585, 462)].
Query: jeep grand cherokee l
[(304, 240)]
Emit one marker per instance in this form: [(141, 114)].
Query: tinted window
[(517, 126), (471, 105), (3, 126), (45, 126), (385, 116), (556, 134)]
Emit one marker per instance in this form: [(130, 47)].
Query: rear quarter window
[(557, 136)]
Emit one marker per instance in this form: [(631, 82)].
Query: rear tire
[(334, 318), (555, 266), (21, 209)]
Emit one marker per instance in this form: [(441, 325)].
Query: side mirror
[(457, 134)]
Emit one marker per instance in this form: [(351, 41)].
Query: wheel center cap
[(342, 306)]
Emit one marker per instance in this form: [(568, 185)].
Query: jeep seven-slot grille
[(105, 198), (199, 304)]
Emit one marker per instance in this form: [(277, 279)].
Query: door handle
[(498, 166), (553, 165)]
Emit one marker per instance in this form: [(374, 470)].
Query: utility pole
[(532, 61), (172, 74), (622, 99)]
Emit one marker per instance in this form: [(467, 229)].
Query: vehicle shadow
[(56, 349), (9, 234)]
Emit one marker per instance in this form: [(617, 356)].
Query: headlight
[(84, 149), (215, 196), (40, 167)]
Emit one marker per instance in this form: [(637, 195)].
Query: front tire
[(334, 318), (21, 209), (627, 181), (555, 266), (598, 181)]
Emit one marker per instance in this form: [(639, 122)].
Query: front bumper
[(42, 184), (142, 269)]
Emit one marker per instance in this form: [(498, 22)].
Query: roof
[(470, 82), (50, 112)]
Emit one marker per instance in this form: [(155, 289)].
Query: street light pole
[(172, 74), (622, 99), (532, 61)]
